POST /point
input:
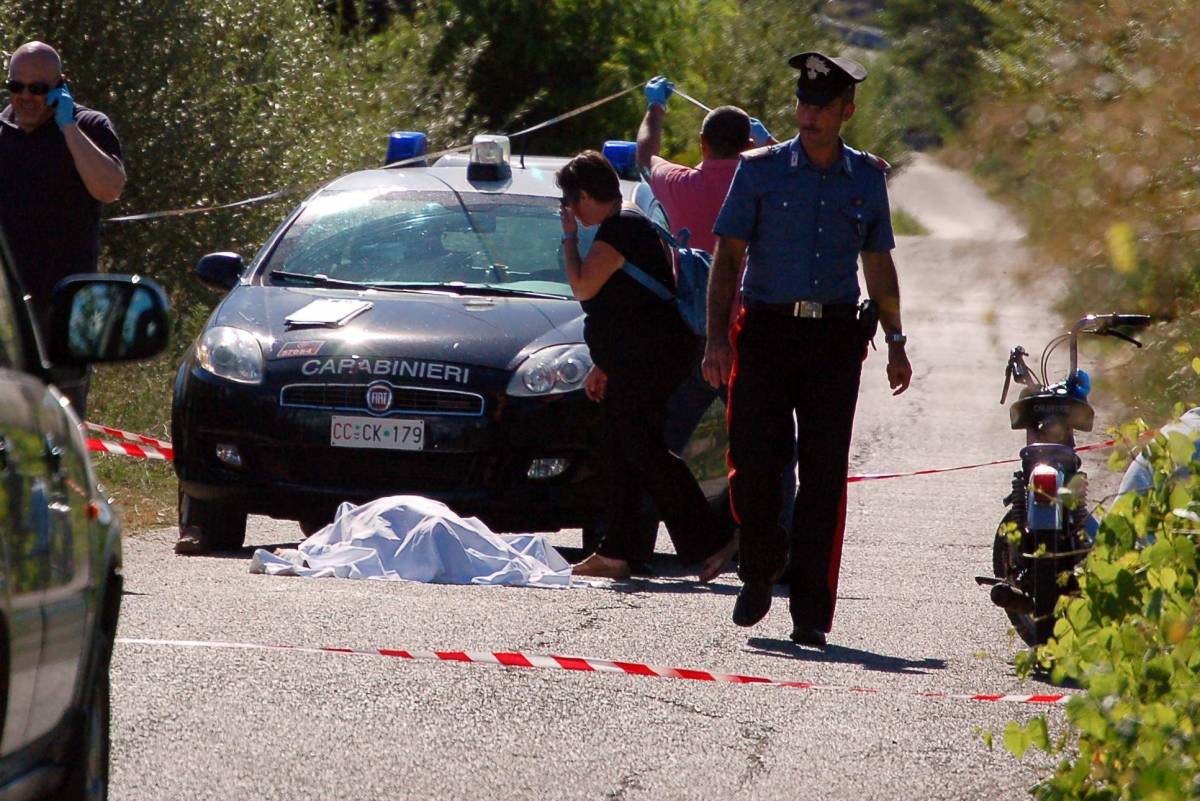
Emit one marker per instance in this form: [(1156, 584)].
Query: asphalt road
[(217, 723)]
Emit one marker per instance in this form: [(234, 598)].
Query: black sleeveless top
[(626, 323)]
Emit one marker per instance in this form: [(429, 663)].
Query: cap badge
[(814, 65)]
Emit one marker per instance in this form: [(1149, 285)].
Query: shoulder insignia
[(876, 162), (758, 153)]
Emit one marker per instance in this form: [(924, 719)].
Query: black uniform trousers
[(809, 368), (634, 412)]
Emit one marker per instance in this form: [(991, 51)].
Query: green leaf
[(1016, 739), (1038, 735), (1181, 448)]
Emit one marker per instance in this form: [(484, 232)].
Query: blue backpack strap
[(648, 281)]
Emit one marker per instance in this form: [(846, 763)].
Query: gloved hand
[(658, 89), (758, 132), (64, 105)]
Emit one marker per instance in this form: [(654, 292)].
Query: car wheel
[(224, 525), (87, 760)]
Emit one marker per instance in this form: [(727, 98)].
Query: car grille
[(405, 400)]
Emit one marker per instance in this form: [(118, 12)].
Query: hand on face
[(566, 216), (64, 106)]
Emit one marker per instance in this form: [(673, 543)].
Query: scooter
[(1042, 537)]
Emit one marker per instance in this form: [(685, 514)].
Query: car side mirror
[(220, 270), (107, 318)]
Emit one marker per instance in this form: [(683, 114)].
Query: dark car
[(405, 330), (60, 545)]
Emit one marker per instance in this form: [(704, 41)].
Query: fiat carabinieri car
[(406, 330)]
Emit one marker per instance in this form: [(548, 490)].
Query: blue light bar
[(623, 156), (405, 145)]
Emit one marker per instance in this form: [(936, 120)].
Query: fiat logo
[(379, 398)]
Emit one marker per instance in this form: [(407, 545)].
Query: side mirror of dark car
[(220, 270), (107, 318)]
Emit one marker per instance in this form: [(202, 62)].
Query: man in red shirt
[(692, 196)]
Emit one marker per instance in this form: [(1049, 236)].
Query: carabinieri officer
[(804, 210)]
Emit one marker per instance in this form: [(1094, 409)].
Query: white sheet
[(409, 537)]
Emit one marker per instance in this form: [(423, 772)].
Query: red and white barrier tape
[(1108, 443), (513, 659), (129, 449), (117, 433), (142, 447)]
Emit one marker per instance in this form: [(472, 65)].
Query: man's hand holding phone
[(63, 103)]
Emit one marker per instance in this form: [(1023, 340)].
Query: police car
[(406, 330)]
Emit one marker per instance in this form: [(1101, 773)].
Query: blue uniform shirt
[(805, 226)]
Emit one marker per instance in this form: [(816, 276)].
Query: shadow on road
[(766, 646)]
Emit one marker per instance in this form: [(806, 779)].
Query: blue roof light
[(405, 145), (623, 156)]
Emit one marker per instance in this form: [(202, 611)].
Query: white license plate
[(371, 432)]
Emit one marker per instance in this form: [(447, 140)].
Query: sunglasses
[(35, 88)]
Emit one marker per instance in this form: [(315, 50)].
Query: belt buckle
[(808, 309)]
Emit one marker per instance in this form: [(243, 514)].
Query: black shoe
[(753, 602), (808, 635)]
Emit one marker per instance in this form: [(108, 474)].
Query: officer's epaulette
[(760, 152), (876, 162)]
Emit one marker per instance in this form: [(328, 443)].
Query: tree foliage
[(222, 100)]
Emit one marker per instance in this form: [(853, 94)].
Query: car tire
[(88, 757), (224, 525)]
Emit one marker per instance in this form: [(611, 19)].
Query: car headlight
[(231, 353), (551, 371)]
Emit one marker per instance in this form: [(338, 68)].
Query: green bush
[(1131, 640)]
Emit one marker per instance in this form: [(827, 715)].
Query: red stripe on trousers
[(734, 330)]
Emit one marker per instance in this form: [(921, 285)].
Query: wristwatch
[(895, 339)]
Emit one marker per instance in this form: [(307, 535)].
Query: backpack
[(691, 266)]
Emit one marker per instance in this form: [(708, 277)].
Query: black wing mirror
[(107, 318), (220, 270)]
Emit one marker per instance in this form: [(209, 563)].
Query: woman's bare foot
[(716, 564), (601, 567)]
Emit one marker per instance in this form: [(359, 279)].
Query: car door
[(24, 518), (60, 484)]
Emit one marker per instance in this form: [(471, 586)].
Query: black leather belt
[(807, 309)]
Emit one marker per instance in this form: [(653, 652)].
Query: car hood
[(487, 331)]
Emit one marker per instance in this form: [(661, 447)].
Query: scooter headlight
[(551, 371), (231, 353)]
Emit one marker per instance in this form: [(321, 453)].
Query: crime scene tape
[(129, 449), (932, 471), (292, 190), (583, 664), (117, 433), (141, 446)]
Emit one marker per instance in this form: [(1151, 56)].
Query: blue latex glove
[(64, 105), (658, 89), (758, 132)]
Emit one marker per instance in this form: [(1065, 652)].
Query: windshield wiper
[(460, 288), (320, 279)]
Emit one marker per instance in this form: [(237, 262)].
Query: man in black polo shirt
[(58, 163)]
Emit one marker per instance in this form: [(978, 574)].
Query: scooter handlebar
[(1131, 320)]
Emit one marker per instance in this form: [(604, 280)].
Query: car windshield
[(509, 243)]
